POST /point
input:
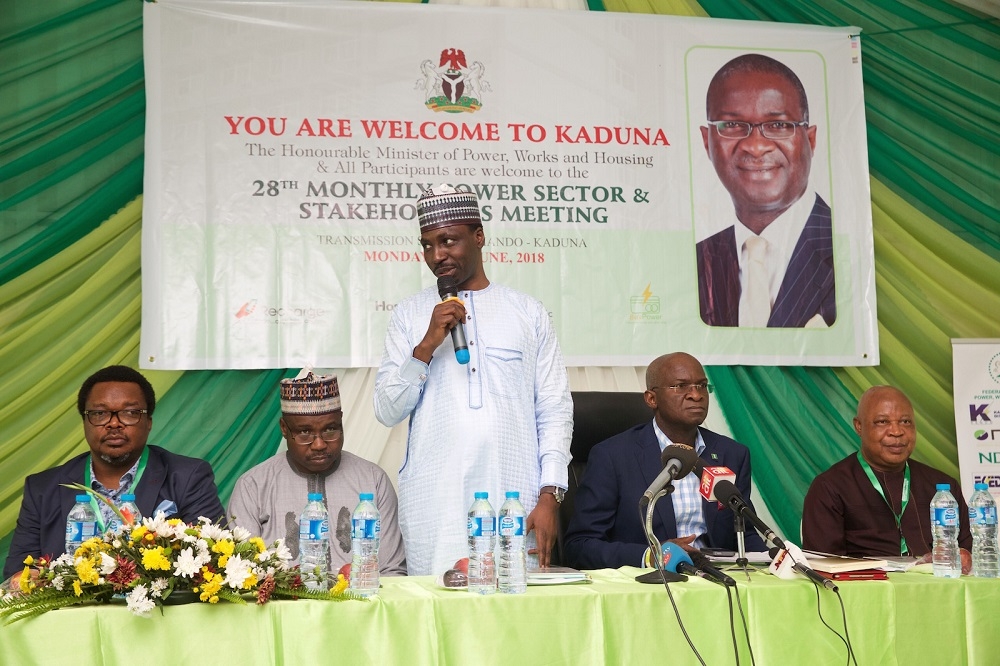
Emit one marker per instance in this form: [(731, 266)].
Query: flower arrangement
[(148, 562)]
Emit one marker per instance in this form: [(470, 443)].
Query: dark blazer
[(41, 524), (606, 530), (807, 288)]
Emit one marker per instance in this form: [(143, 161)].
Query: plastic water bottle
[(482, 529), (81, 523), (512, 575), (130, 512), (365, 527), (314, 542), (983, 521), (944, 525)]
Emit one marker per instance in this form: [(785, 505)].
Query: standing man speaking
[(502, 421)]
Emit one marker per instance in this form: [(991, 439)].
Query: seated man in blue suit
[(606, 530), (116, 404)]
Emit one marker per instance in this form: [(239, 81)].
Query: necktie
[(755, 308)]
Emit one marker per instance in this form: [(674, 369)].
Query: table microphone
[(448, 289), (678, 461), (678, 560), (728, 493)]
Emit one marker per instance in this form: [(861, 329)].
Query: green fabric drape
[(72, 109)]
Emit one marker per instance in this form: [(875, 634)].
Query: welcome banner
[(286, 144)]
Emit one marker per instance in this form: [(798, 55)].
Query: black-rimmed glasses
[(773, 129), (127, 417), (685, 388)]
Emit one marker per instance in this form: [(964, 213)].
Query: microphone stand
[(654, 544), (741, 551)]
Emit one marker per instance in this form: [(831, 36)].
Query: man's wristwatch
[(555, 491)]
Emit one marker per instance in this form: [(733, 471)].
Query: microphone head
[(684, 455), (674, 556), (447, 284), (699, 559), (727, 493)]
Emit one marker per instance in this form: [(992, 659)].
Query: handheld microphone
[(728, 493), (677, 461), (789, 560), (710, 478), (448, 288), (678, 560)]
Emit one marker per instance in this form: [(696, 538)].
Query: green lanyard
[(904, 501), (131, 489)]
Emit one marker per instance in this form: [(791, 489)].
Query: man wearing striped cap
[(497, 417), (268, 498)]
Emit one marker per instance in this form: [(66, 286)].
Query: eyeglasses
[(127, 417), (306, 437), (774, 129), (685, 388)]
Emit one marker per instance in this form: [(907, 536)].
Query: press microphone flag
[(677, 461), (710, 478), (448, 288)]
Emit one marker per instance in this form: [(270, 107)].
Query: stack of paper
[(557, 576)]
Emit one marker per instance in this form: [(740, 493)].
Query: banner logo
[(247, 309), (977, 413), (453, 86), (995, 368), (644, 307)]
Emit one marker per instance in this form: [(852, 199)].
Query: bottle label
[(365, 528), (482, 526), (313, 530), (80, 530), (946, 517), (983, 515), (511, 526)]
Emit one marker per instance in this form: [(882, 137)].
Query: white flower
[(214, 532), (281, 550), (57, 582), (241, 534), (108, 564), (157, 586), (138, 602), (237, 571), (188, 564)]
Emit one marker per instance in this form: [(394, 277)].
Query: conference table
[(909, 619)]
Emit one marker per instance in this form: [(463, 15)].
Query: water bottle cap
[(513, 494), (943, 486), (128, 497), (83, 498), (366, 496), (481, 495), (315, 497), (981, 486)]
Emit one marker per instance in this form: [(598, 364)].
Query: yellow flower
[(224, 547), (77, 590), (340, 586), (250, 582), (29, 560), (86, 571), (152, 558), (25, 581), (213, 600), (138, 533), (223, 559), (259, 544), (174, 521)]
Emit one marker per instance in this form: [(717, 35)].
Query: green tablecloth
[(909, 619)]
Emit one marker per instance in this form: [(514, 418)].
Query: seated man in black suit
[(116, 404), (606, 530)]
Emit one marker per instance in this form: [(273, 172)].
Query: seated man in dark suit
[(606, 530), (116, 404), (867, 505)]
